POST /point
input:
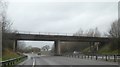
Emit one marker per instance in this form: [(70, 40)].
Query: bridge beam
[(57, 51), (15, 46)]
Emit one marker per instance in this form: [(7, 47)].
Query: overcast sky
[(61, 16)]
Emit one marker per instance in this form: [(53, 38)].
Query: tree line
[(113, 32)]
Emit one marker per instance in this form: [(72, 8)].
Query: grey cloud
[(67, 17)]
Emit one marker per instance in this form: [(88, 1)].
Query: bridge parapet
[(45, 33), (53, 33)]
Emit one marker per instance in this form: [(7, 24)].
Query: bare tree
[(46, 48), (90, 33), (79, 33), (115, 33), (5, 26), (93, 33), (115, 29), (3, 17), (97, 33)]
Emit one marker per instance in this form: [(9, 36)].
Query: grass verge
[(0, 59), (104, 50), (8, 54)]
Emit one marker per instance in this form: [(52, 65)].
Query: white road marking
[(33, 62)]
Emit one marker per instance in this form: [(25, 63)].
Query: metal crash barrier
[(11, 62)]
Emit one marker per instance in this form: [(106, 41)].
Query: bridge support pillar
[(57, 48), (15, 46), (92, 47)]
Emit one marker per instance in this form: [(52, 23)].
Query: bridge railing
[(112, 58), (12, 62), (45, 33), (53, 33)]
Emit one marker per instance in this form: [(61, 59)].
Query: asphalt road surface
[(35, 60)]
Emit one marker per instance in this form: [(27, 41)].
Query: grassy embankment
[(104, 50), (0, 59), (9, 54)]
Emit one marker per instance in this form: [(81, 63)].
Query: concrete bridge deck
[(43, 37)]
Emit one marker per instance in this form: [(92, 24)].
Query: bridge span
[(57, 39)]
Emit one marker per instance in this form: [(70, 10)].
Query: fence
[(114, 58), (11, 62)]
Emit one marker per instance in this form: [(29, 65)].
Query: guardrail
[(11, 62), (114, 58)]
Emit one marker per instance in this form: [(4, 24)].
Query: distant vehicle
[(75, 52), (39, 53), (31, 57)]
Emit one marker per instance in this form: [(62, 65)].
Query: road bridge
[(57, 39)]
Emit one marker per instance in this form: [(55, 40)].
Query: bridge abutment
[(57, 51), (15, 46)]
